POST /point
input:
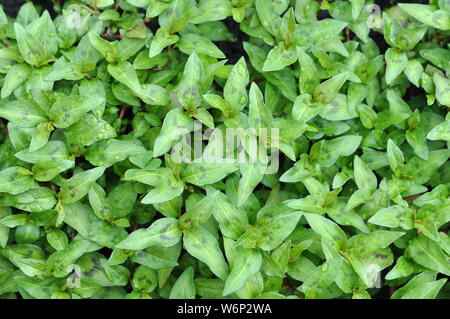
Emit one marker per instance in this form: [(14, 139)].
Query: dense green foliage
[(354, 101)]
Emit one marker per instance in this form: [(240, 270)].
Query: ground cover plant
[(224, 149)]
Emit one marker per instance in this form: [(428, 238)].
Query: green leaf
[(200, 213), (204, 116), (144, 279), (422, 286), (327, 91), (176, 16), (394, 216), (256, 55), (363, 245), (442, 89), (189, 90), (107, 152), (28, 258), (305, 11), (190, 43), (416, 138), (162, 39), (232, 221), (79, 185), (285, 80), (207, 173), (247, 262), (16, 75), (211, 10), (315, 31), (45, 171), (437, 56), (153, 94), (365, 179), (149, 177), (273, 227), (12, 54), (327, 229), (36, 199), (436, 197), (438, 19), (268, 17), (166, 190), (308, 75), (357, 6), (107, 49), (157, 257), (176, 124), (32, 51), (5, 212), (252, 174), (27, 14), (210, 72), (57, 239), (235, 92), (429, 290), (422, 170), (85, 54), (103, 208), (163, 232), (69, 110), (219, 103), (331, 150), (40, 137), (288, 26), (280, 57), (414, 71), (15, 180), (184, 287), (440, 132), (427, 253), (402, 268), (125, 74), (337, 211), (396, 158), (396, 62), (320, 278), (201, 244), (23, 113)]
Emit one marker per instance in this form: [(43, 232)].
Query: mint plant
[(289, 149)]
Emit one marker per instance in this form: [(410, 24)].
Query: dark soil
[(11, 7), (234, 50)]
